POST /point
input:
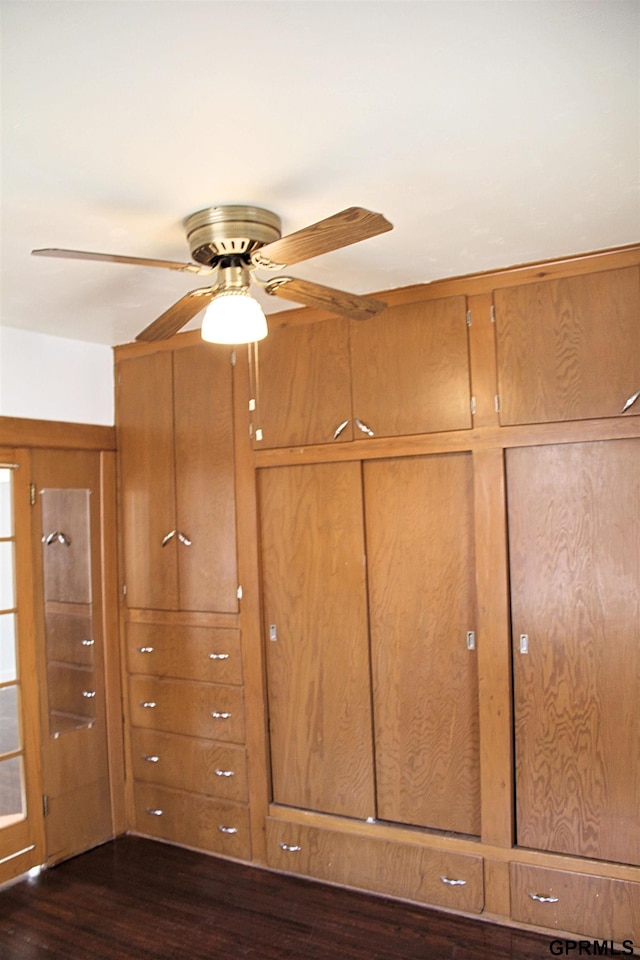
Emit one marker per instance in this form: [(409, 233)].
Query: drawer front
[(450, 880), (595, 907), (193, 820), (187, 763), (207, 710), (186, 653)]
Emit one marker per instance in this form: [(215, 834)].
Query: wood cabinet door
[(420, 554), (410, 369), (303, 388), (204, 470), (569, 349), (574, 535), (147, 480), (314, 591)]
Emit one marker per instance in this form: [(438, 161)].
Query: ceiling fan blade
[(340, 230), (178, 315), (315, 295), (115, 258)]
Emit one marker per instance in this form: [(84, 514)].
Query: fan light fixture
[(233, 316)]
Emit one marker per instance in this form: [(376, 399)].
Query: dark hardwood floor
[(137, 899)]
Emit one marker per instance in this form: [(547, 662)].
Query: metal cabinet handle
[(57, 536), (218, 656), (145, 649), (150, 758), (147, 704), (290, 847), (541, 899), (220, 716), (223, 829), (154, 813), (225, 773), (364, 428), (630, 402), (340, 428), (88, 643), (184, 539), (454, 883), (168, 537), (88, 694)]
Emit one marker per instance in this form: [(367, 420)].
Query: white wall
[(50, 378)]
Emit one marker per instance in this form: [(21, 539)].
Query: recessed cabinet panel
[(314, 598), (574, 535), (410, 369), (569, 349), (303, 384), (421, 564)]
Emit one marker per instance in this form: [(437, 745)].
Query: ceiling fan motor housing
[(230, 231)]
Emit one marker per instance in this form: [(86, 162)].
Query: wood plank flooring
[(137, 899)]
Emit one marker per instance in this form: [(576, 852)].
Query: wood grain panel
[(193, 820), (420, 550), (185, 707), (314, 595), (187, 763), (303, 384), (147, 484), (205, 502), (397, 869), (410, 369), (569, 349), (574, 518), (598, 907), (183, 652)]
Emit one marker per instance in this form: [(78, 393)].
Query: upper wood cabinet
[(569, 349), (403, 372), (175, 438)]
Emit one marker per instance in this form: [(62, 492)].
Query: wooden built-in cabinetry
[(431, 683)]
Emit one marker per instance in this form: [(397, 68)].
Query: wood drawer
[(187, 763), (596, 907), (406, 870), (207, 710), (186, 653), (193, 820)]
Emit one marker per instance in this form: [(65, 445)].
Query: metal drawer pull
[(57, 536), (454, 883), (145, 649), (89, 694), (184, 540), (225, 773), (290, 847), (218, 656), (227, 829), (154, 813), (168, 537), (541, 899), (150, 758), (88, 643), (220, 716), (147, 704), (364, 428), (339, 429), (630, 402)]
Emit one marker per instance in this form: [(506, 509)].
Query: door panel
[(69, 585), (574, 533), (420, 553), (147, 481), (317, 647)]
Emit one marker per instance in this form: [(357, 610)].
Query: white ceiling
[(489, 133)]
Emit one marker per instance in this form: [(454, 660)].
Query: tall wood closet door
[(420, 554), (574, 533), (312, 551), (147, 480)]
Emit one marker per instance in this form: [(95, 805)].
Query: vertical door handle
[(168, 537), (340, 428), (364, 428), (630, 402), (184, 539)]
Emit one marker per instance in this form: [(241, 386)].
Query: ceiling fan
[(232, 242)]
